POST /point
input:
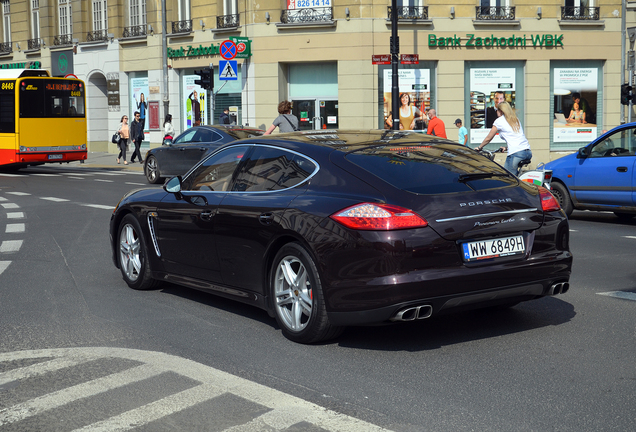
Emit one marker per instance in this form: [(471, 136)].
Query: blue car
[(600, 176)]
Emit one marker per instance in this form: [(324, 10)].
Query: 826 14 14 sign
[(304, 4)]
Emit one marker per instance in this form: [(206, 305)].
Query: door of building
[(305, 110)]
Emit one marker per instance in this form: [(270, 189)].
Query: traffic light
[(626, 94), (206, 79)]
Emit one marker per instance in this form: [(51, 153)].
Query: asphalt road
[(79, 350)]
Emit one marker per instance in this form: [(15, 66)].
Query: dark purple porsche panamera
[(325, 229)]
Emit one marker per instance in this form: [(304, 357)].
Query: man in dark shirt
[(136, 136), (491, 113), (225, 117)]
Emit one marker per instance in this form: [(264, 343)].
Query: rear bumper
[(451, 303)]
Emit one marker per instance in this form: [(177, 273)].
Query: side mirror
[(582, 153), (173, 186)]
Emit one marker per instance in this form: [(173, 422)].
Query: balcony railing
[(495, 13), (134, 31), (97, 36), (308, 15), (182, 26), (576, 13), (228, 21), (6, 47), (410, 12), (63, 40), (34, 44)]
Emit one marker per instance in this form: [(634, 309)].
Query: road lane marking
[(9, 175), (104, 180), (76, 178), (10, 246), (620, 294), (15, 215), (15, 228), (630, 237), (18, 193), (3, 199), (4, 265), (280, 411), (98, 206), (46, 175), (10, 205), (54, 199), (136, 184)]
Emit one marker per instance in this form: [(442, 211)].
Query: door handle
[(621, 169), (206, 215), (182, 148), (266, 218), (203, 148)]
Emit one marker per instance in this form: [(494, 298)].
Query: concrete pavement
[(108, 160)]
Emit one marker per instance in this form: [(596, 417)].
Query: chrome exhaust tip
[(414, 313), (559, 288), (565, 287)]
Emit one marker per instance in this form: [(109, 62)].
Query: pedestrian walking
[(168, 130), (124, 134), (463, 132), (137, 136), (286, 121)]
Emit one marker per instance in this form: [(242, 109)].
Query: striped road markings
[(108, 389), (11, 245)]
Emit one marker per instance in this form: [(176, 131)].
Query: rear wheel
[(152, 170), (560, 192), (133, 255), (298, 298)]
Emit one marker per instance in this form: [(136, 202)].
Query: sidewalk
[(106, 160)]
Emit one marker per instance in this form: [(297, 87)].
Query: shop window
[(409, 10), (576, 103), (497, 10), (575, 10), (307, 11)]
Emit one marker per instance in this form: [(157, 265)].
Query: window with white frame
[(230, 7), (184, 10), (6, 20), (100, 15), (65, 17), (35, 19), (137, 14)]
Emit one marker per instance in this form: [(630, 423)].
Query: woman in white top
[(168, 129), (509, 128)]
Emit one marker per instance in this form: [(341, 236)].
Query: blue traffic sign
[(228, 70)]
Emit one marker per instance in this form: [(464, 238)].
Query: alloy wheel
[(293, 293), (130, 252)]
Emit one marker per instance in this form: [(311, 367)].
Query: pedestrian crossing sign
[(228, 70)]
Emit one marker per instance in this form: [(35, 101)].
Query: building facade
[(319, 54)]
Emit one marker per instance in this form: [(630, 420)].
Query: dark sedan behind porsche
[(189, 148), (325, 229)]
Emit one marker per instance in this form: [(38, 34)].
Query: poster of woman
[(139, 99), (415, 98), (575, 101)]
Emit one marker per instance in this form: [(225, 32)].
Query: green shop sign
[(25, 65), (243, 45), (471, 40)]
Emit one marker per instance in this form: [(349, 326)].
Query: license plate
[(493, 248), (56, 156)]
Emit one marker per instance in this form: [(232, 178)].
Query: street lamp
[(395, 53)]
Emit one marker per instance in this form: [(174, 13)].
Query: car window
[(203, 135), (216, 172), (270, 169), (620, 143), (185, 137)]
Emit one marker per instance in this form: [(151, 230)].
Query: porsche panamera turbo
[(326, 229)]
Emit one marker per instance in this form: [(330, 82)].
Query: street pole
[(164, 59), (395, 54)]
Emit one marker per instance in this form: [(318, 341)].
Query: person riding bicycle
[(509, 128)]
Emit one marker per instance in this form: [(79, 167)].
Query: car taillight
[(548, 202), (381, 217)]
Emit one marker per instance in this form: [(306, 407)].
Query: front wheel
[(560, 192), (298, 298), (133, 255), (153, 175)]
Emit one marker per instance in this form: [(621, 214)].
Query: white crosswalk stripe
[(273, 410), (10, 246), (15, 228)]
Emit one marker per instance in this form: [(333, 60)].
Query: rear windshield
[(432, 169)]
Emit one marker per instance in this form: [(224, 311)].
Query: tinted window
[(215, 174), (185, 137), (269, 169), (204, 135), (430, 169), (51, 98), (621, 143), (7, 107)]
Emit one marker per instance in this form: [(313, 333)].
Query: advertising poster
[(139, 100), (416, 83), (575, 96), (484, 84), (194, 103)]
